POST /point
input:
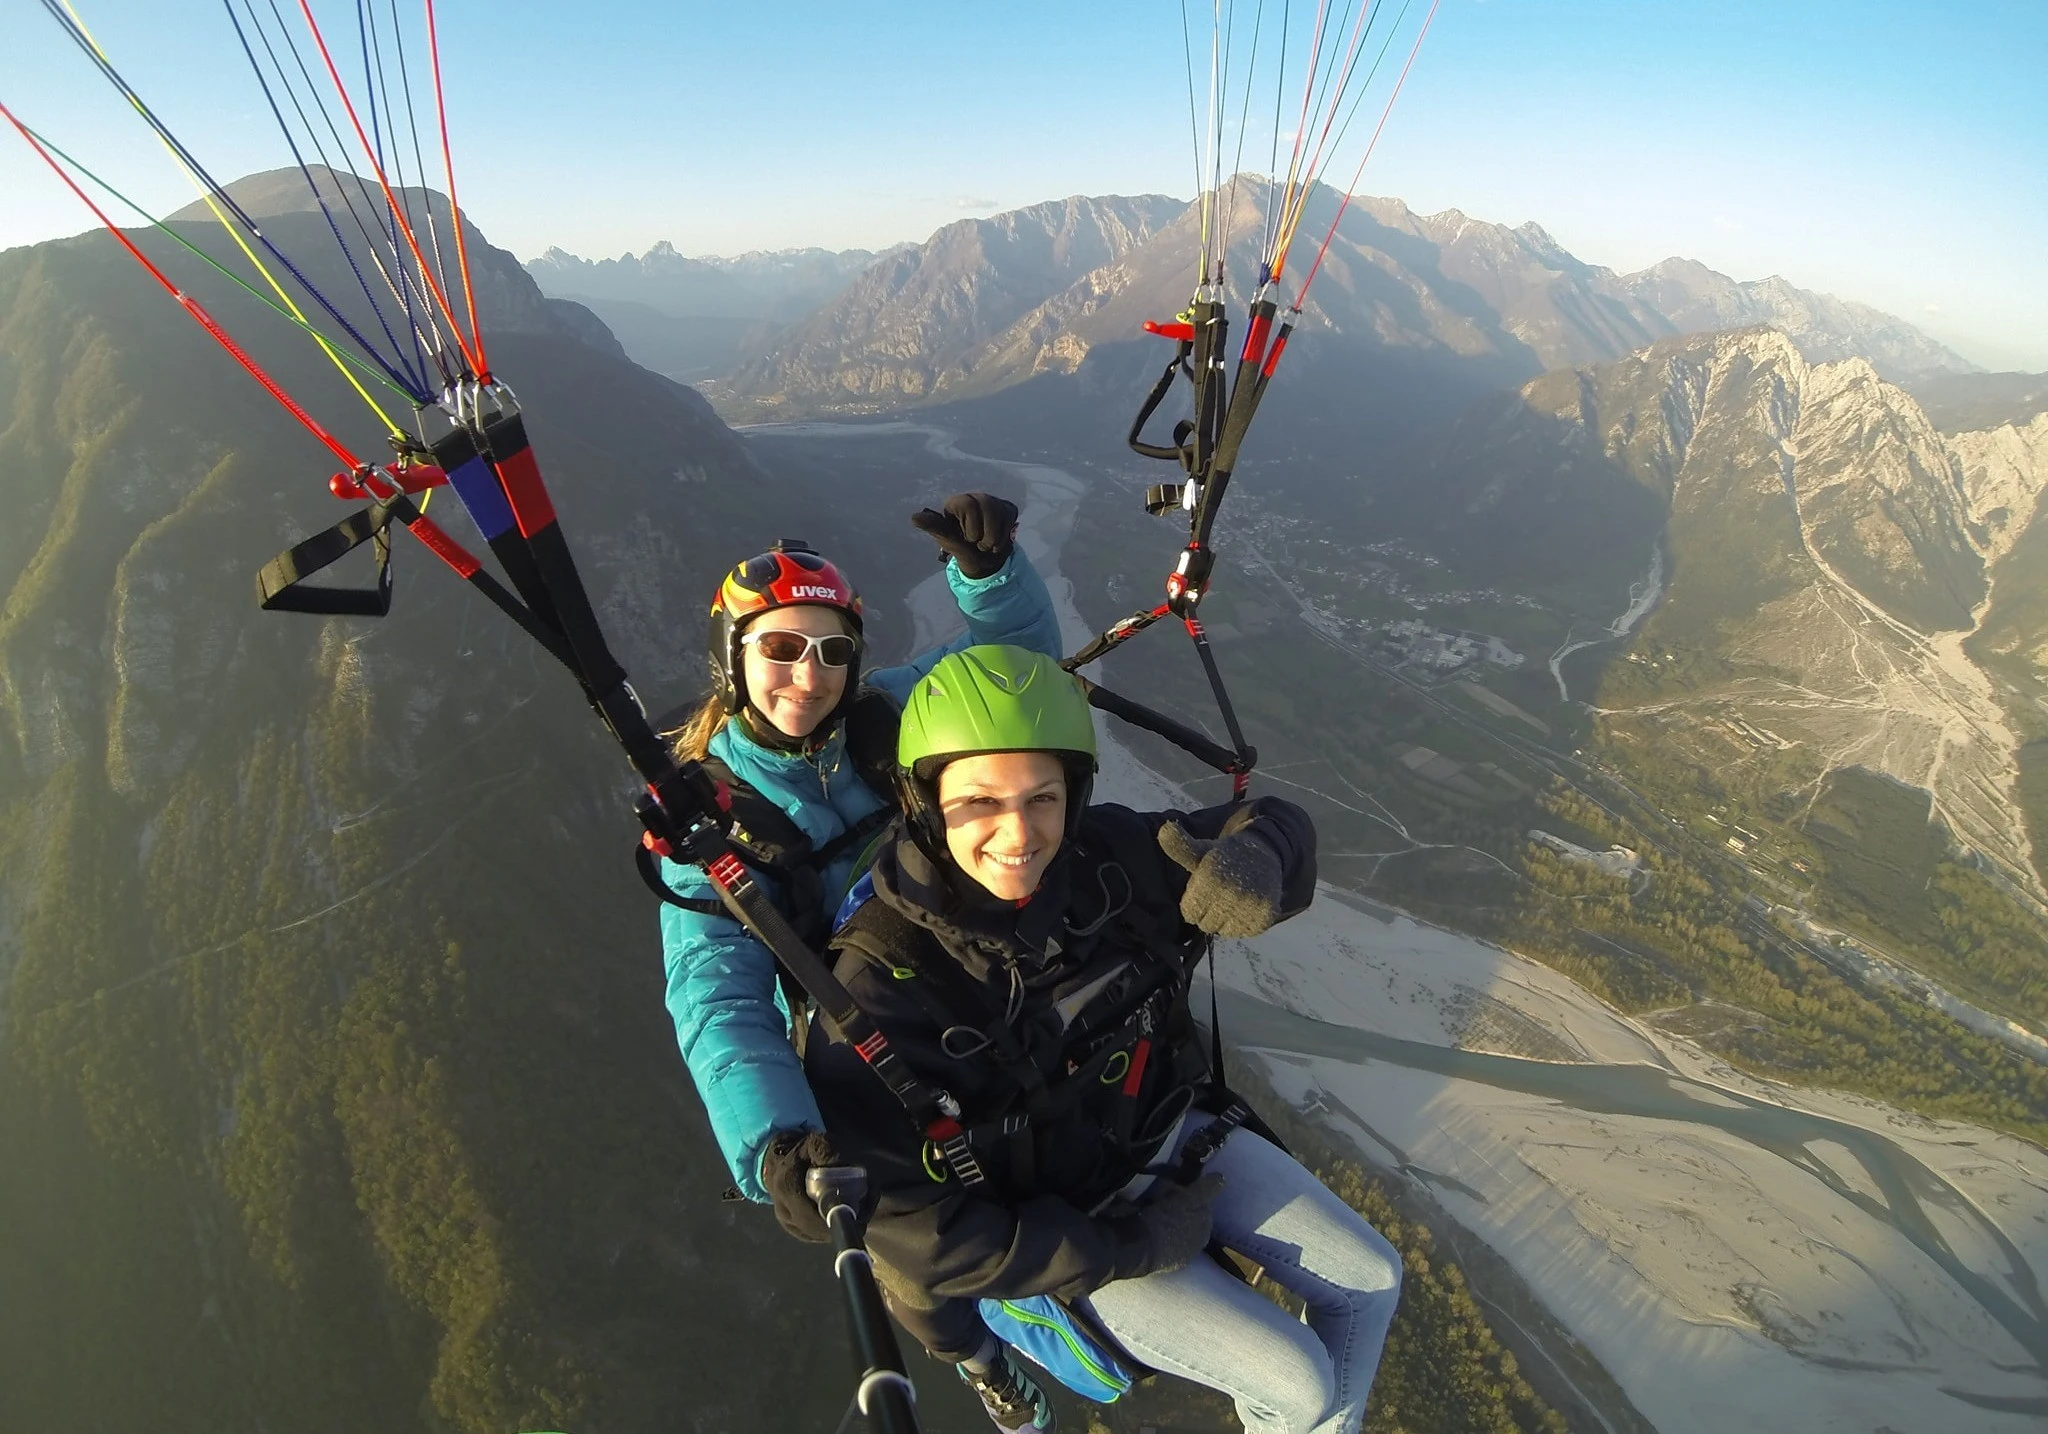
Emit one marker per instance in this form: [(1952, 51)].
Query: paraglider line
[(419, 161), (227, 273), (318, 198), (1416, 49), (1378, 60), (1327, 104), (1244, 110), (190, 304), (348, 106), (476, 334), (339, 173), (375, 482), (373, 88), (84, 42), (291, 309), (381, 121), (1300, 131), (374, 246), (1359, 30), (1267, 235), (1187, 52)]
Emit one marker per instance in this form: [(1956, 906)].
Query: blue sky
[(1891, 153)]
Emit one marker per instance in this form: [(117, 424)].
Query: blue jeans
[(1288, 1376)]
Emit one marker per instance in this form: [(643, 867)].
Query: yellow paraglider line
[(206, 194)]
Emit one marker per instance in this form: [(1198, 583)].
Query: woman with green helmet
[(1028, 956)]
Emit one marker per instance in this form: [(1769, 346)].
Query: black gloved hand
[(1235, 884), (789, 1155), (1170, 1231), (977, 530)]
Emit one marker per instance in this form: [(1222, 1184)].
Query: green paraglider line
[(339, 348)]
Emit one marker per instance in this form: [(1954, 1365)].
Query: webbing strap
[(604, 680), (1206, 447), (1151, 405), (853, 836), (281, 586), (1115, 636), (1246, 756)]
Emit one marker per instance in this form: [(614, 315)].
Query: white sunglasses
[(780, 645)]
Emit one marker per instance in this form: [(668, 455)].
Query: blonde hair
[(691, 742)]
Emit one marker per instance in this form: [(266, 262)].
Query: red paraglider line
[(1301, 295), (1359, 29), (425, 529), (397, 211), (185, 300), (476, 334)]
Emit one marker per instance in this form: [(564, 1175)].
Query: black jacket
[(1062, 1029)]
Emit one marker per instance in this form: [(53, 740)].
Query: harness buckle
[(1204, 1143), (1190, 580), (959, 1155)]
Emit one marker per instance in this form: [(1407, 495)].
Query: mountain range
[(1053, 289), (691, 318), (774, 285)]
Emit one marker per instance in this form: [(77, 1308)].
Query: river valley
[(1737, 1254)]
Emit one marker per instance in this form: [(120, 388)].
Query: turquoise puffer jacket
[(730, 1020)]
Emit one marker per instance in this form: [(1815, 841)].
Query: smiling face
[(794, 696), (1006, 814)]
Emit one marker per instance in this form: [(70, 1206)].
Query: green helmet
[(992, 699), (995, 699)]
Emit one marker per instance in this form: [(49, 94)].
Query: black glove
[(1170, 1231), (1235, 883), (789, 1155), (977, 530)]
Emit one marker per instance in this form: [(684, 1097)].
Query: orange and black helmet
[(790, 574)]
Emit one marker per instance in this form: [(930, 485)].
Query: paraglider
[(412, 330)]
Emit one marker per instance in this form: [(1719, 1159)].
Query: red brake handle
[(413, 477)]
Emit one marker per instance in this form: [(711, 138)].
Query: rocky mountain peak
[(1689, 297), (919, 322), (2002, 473), (1537, 237)]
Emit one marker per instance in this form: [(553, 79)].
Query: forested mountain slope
[(319, 947)]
